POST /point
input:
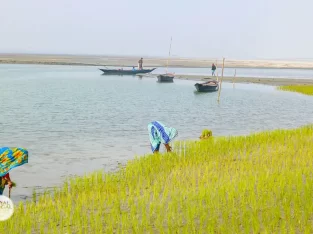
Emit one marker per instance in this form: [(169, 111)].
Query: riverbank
[(244, 80), (258, 183), (120, 61)]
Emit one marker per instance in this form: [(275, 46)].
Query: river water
[(73, 120)]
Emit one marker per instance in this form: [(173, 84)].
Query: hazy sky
[(243, 29)]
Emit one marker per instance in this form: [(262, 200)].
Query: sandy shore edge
[(241, 80), (101, 61)]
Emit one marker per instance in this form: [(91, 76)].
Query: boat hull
[(207, 88), (165, 78), (125, 72)]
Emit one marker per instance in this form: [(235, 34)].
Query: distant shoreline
[(102, 61), (79, 60), (130, 66)]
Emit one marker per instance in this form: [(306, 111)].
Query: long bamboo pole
[(169, 54), (219, 90), (216, 70)]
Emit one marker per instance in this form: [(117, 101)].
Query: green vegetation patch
[(261, 183), (304, 89)]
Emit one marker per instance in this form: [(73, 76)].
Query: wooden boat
[(165, 78), (125, 72), (209, 86)]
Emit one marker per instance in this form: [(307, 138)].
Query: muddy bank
[(244, 80)]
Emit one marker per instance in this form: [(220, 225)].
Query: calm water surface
[(73, 120)]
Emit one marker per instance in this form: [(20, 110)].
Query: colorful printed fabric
[(159, 133), (11, 158)]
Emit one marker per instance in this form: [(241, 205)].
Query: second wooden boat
[(209, 86), (167, 78)]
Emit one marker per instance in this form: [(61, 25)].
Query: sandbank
[(97, 60)]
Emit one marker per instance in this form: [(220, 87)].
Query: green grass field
[(304, 89), (261, 183)]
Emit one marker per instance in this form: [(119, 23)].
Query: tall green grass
[(262, 183), (304, 89)]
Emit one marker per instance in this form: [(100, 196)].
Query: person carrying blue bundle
[(159, 133)]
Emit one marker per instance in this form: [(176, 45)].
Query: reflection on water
[(73, 120)]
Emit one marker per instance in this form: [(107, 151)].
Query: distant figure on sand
[(140, 64), (159, 133), (213, 69)]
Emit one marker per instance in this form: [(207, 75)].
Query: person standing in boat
[(140, 64), (159, 133), (213, 69)]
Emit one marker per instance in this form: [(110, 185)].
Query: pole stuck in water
[(219, 90), (169, 54), (216, 70), (234, 79)]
